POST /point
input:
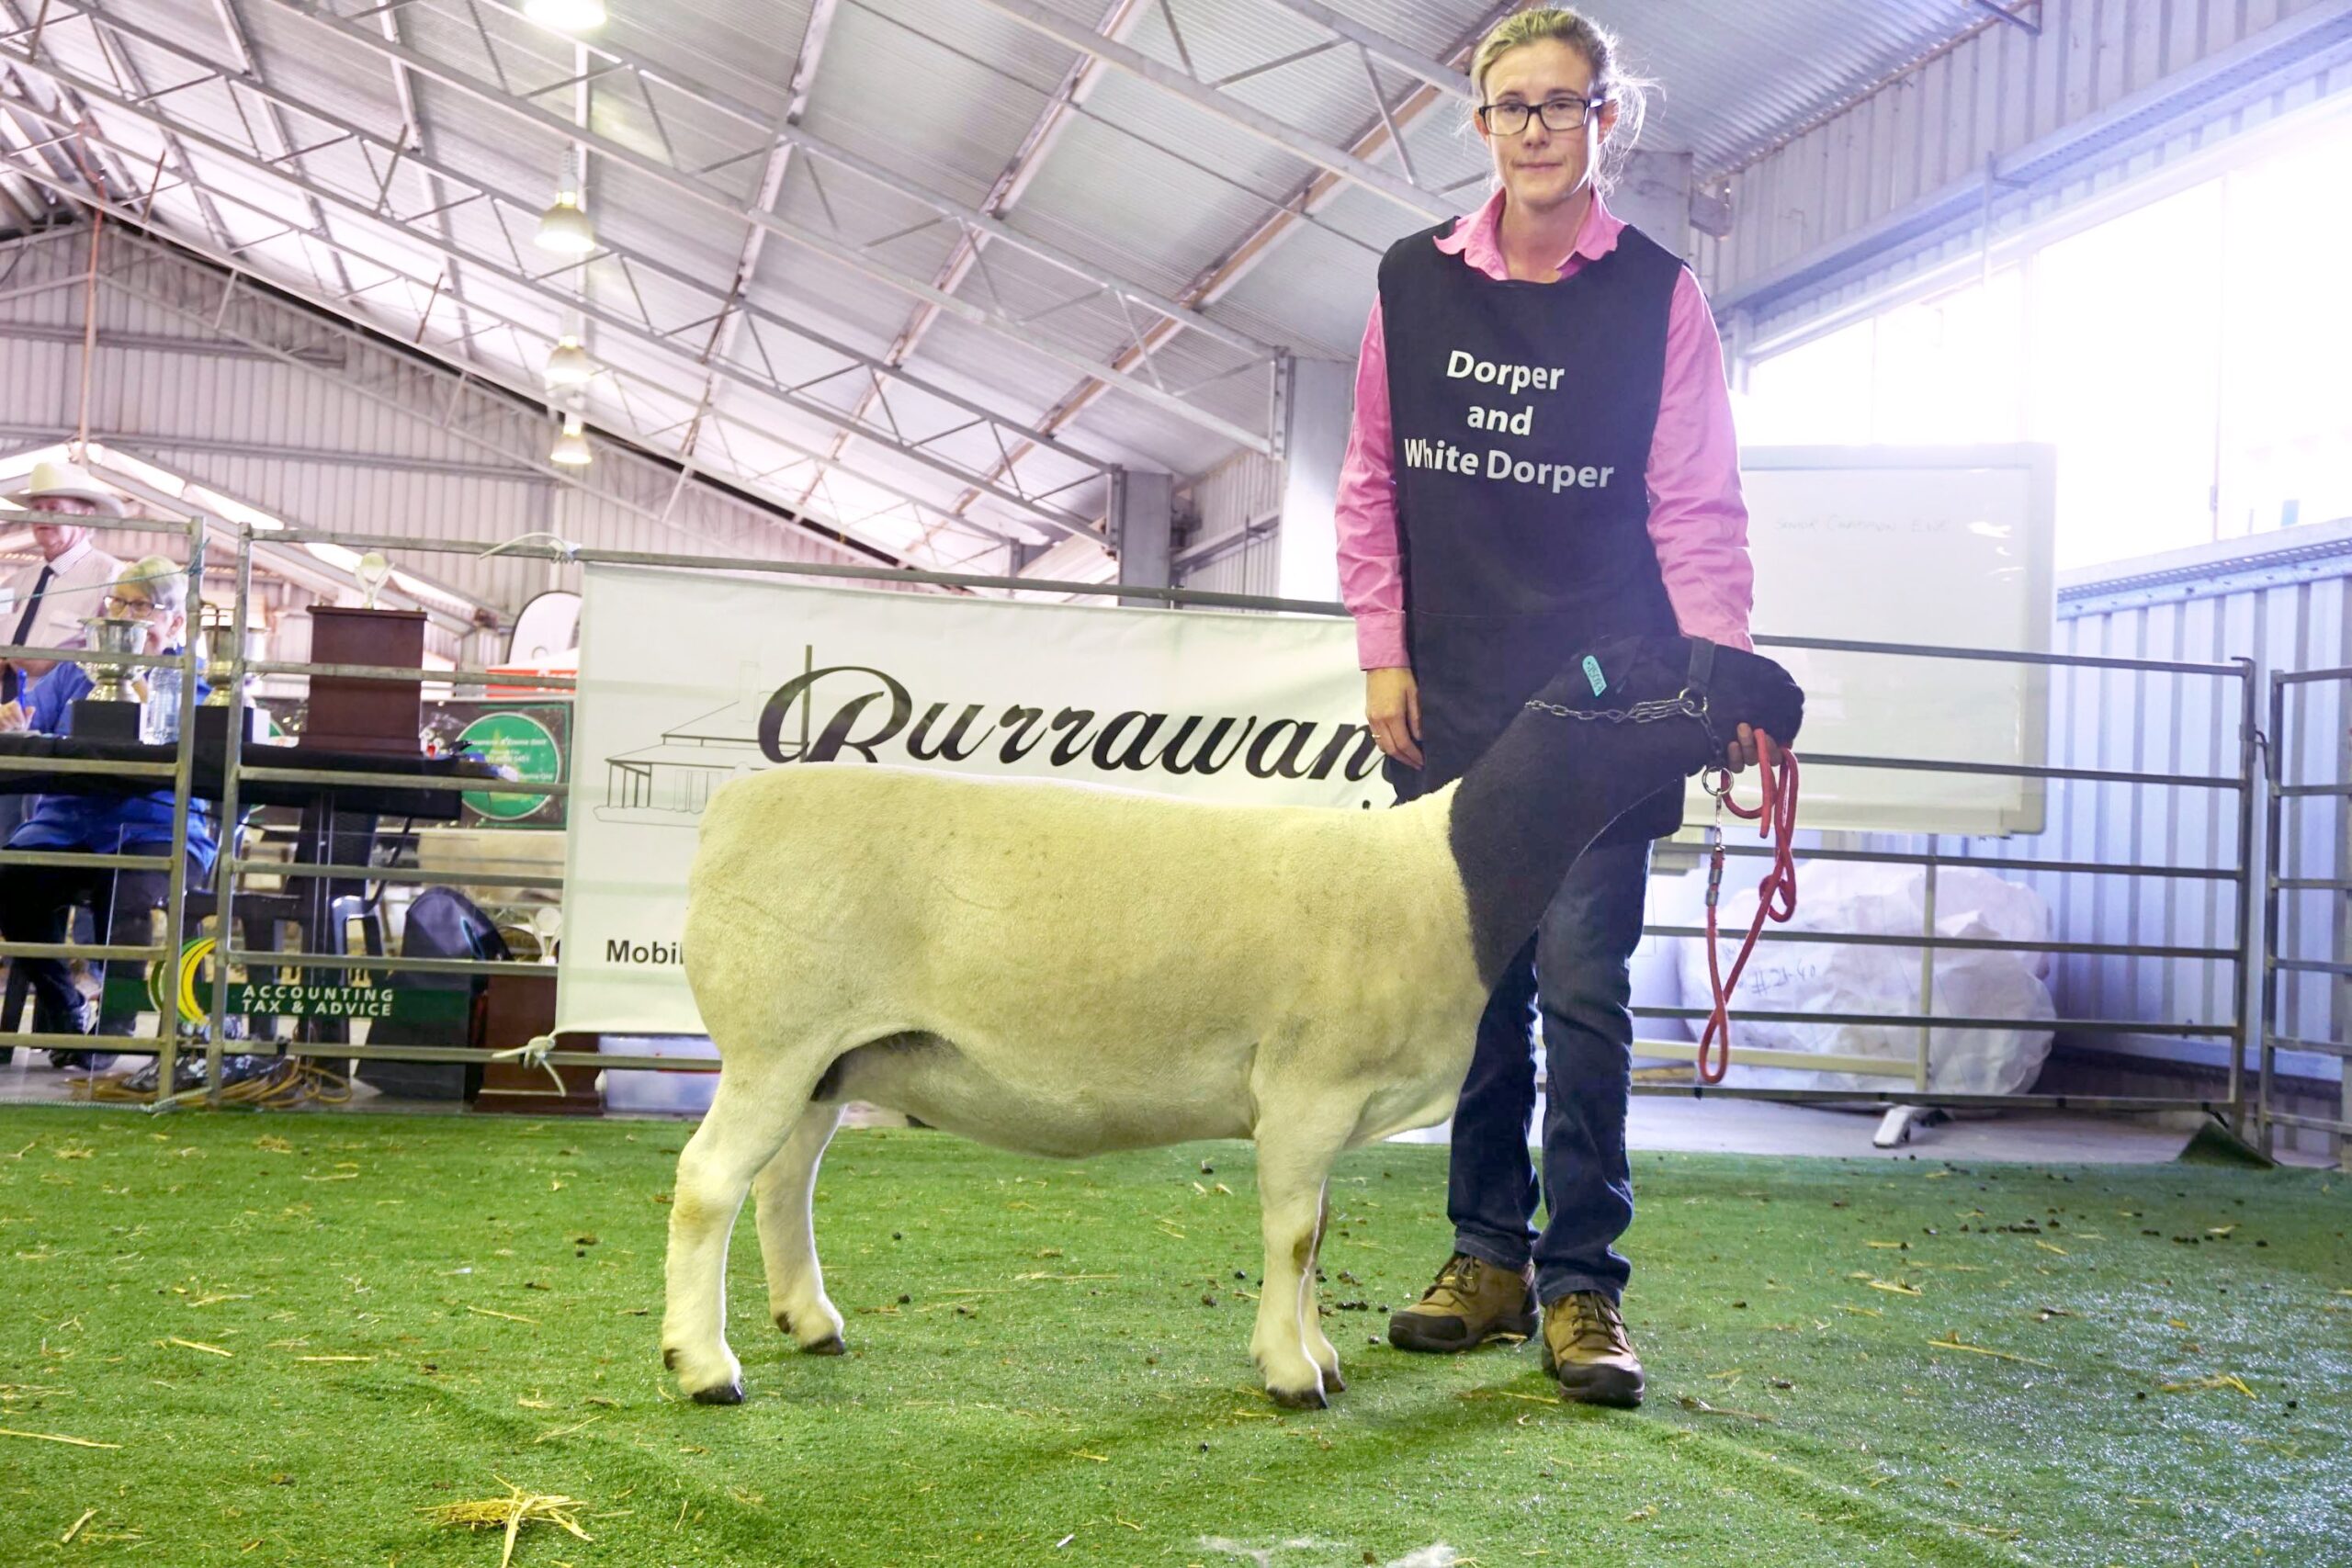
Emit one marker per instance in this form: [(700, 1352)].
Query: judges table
[(340, 795)]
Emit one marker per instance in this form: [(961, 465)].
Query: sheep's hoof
[(1307, 1398), (1333, 1382), (827, 1347), (728, 1393)]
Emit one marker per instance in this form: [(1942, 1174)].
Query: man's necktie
[(15, 682)]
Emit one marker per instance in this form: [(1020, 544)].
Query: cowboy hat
[(65, 481)]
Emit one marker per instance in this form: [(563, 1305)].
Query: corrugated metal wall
[(2288, 607), (358, 437), (1993, 92), (1228, 500)]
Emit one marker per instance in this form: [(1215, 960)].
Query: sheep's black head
[(1556, 781), (1740, 687)]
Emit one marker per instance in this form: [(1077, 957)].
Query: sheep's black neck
[(1532, 803)]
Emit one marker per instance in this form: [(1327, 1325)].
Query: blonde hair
[(165, 580), (1612, 84)]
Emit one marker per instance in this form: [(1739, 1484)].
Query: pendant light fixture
[(571, 447), (568, 365), (564, 227)]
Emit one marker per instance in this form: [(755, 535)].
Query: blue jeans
[(1573, 976)]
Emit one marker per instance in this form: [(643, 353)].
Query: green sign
[(517, 741), (187, 986)]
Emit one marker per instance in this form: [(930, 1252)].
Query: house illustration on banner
[(669, 783)]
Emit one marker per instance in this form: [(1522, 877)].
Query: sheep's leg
[(749, 1117), (1292, 1170), (781, 1194), (1318, 1347)]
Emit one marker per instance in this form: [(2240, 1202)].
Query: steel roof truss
[(460, 79), (470, 432), (328, 300), (1186, 84), (639, 331)]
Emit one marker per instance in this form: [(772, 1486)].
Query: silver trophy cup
[(223, 645), (109, 634)]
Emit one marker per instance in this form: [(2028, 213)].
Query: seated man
[(122, 902)]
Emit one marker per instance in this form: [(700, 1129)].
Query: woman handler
[(1542, 454)]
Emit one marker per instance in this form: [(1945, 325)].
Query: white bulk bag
[(1886, 900)]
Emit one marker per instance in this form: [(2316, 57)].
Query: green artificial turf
[(416, 1309)]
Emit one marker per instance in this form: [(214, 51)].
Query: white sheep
[(1063, 970)]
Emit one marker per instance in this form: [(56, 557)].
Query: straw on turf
[(511, 1512)]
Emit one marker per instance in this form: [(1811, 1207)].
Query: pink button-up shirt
[(1697, 523)]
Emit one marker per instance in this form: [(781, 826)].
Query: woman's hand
[(1392, 706), (12, 717), (1740, 754)]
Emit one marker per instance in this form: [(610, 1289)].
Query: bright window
[(2286, 377), (2188, 360), (1815, 394), (2125, 377), (1950, 369)]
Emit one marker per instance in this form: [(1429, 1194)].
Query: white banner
[(689, 678)]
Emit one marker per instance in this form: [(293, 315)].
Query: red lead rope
[(1776, 896)]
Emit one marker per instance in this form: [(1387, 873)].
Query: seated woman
[(122, 902)]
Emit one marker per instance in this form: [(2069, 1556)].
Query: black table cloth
[(422, 805)]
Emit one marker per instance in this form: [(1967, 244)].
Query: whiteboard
[(1945, 546)]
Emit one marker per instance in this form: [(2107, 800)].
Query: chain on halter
[(1690, 703), (1687, 705)]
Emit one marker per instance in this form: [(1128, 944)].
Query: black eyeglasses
[(1566, 112)]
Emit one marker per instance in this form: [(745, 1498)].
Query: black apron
[(1523, 416)]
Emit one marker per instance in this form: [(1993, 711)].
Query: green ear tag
[(1592, 673)]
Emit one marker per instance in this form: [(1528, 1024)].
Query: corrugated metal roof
[(1734, 79), (923, 106), (1139, 184)]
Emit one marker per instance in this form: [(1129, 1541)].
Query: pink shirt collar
[(1477, 239)]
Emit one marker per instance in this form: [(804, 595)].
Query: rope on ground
[(286, 1083)]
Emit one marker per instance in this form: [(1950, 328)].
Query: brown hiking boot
[(1472, 1301), (1585, 1346)]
